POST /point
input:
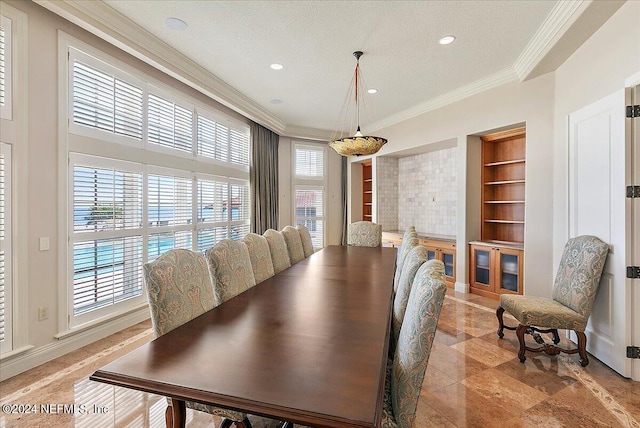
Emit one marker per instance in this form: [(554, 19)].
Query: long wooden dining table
[(308, 345)]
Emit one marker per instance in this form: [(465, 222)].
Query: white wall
[(529, 103), (597, 69)]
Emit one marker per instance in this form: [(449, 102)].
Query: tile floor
[(473, 379)]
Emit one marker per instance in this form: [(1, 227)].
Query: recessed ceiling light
[(175, 24), (372, 91), (446, 40), (276, 101), (277, 66)]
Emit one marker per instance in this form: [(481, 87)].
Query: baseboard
[(40, 355), (461, 287)]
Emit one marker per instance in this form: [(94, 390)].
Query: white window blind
[(309, 211), (6, 71), (170, 125), (6, 283), (107, 233), (170, 200), (116, 226), (309, 162), (106, 103), (221, 142)]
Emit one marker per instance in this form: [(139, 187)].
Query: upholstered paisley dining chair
[(408, 234), (569, 308), (179, 289), (294, 244), (307, 242), (409, 242), (416, 257), (260, 256), (230, 266), (411, 356), (364, 234), (278, 248)]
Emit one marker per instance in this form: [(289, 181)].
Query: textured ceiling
[(238, 40)]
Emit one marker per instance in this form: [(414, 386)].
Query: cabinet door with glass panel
[(495, 269), (446, 253)]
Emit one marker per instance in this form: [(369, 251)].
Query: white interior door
[(633, 98), (599, 168)]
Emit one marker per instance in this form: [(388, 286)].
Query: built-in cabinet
[(367, 191), (440, 248), (496, 260), (495, 269), (444, 251)]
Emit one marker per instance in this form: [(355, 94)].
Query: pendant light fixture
[(358, 144)]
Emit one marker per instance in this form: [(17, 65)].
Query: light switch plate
[(44, 244)]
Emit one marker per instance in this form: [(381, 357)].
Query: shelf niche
[(367, 191), (503, 190)]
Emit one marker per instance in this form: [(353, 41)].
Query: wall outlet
[(43, 314)]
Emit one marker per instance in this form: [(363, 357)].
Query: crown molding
[(294, 131), (498, 79), (100, 19), (560, 19)]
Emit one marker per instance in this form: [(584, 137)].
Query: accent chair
[(364, 234), (574, 292), (260, 256), (179, 289)]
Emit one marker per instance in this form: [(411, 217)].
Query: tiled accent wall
[(427, 192), (387, 192)]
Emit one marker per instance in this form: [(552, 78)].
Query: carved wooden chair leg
[(499, 313), (582, 348), (520, 330), (178, 413), (556, 337), (168, 416), (226, 423)]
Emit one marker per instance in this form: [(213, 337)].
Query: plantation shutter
[(309, 202), (309, 162), (239, 147), (170, 125), (3, 63), (102, 101), (5, 68), (5, 249), (106, 239)]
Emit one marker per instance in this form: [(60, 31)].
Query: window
[(6, 283), (309, 188), (5, 68), (153, 193), (107, 233)]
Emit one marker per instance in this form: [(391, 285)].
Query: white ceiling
[(232, 44)]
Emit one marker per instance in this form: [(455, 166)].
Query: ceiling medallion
[(358, 144)]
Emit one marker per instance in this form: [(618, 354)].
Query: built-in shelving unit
[(367, 191), (496, 262), (503, 177)]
